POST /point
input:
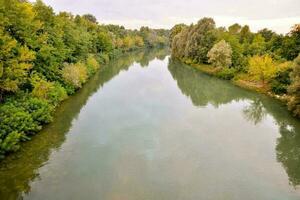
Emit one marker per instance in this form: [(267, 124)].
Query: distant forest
[(264, 61)]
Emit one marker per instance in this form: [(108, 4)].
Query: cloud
[(278, 15)]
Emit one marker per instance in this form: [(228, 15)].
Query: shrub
[(50, 91), (75, 74), (220, 54), (57, 94), (138, 41), (103, 58), (241, 64), (20, 118), (227, 73), (92, 65), (294, 89), (282, 80), (40, 110), (10, 143), (16, 118)]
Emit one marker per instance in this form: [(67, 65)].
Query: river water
[(149, 128)]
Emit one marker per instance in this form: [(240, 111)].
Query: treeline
[(264, 61), (45, 57)]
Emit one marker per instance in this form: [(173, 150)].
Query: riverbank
[(142, 113), (239, 80), (48, 56), (25, 114)]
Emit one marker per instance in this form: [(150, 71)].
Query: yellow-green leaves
[(16, 61), (75, 74), (262, 68), (139, 41), (92, 64), (51, 91), (1, 69)]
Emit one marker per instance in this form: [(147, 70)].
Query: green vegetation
[(261, 61), (44, 57), (220, 54), (294, 89)]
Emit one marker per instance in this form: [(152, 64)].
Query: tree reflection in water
[(203, 90), (255, 112), (20, 168)]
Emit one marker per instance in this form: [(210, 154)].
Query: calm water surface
[(148, 128)]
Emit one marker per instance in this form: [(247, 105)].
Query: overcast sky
[(278, 15)]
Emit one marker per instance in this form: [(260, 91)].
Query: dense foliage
[(261, 60), (294, 89), (44, 57), (220, 54)]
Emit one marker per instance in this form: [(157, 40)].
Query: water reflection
[(203, 90), (288, 151), (140, 150), (18, 170), (255, 112)]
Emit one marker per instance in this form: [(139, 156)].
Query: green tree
[(245, 34), (220, 54), (234, 29), (90, 18), (266, 34), (239, 61), (175, 30), (200, 40), (294, 89), (179, 43), (291, 43), (103, 42), (262, 68), (258, 45), (15, 63)]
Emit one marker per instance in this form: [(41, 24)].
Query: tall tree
[(220, 54), (267, 34), (294, 89), (175, 30), (234, 29), (202, 37), (262, 68), (90, 18)]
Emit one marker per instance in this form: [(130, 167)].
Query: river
[(149, 128)]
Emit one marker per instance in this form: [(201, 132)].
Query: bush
[(57, 94), (103, 58), (10, 143), (50, 91), (21, 118), (92, 65), (227, 73), (15, 118), (75, 74), (220, 54), (40, 110), (294, 89), (241, 64), (281, 81)]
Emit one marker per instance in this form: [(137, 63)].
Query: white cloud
[(278, 15)]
